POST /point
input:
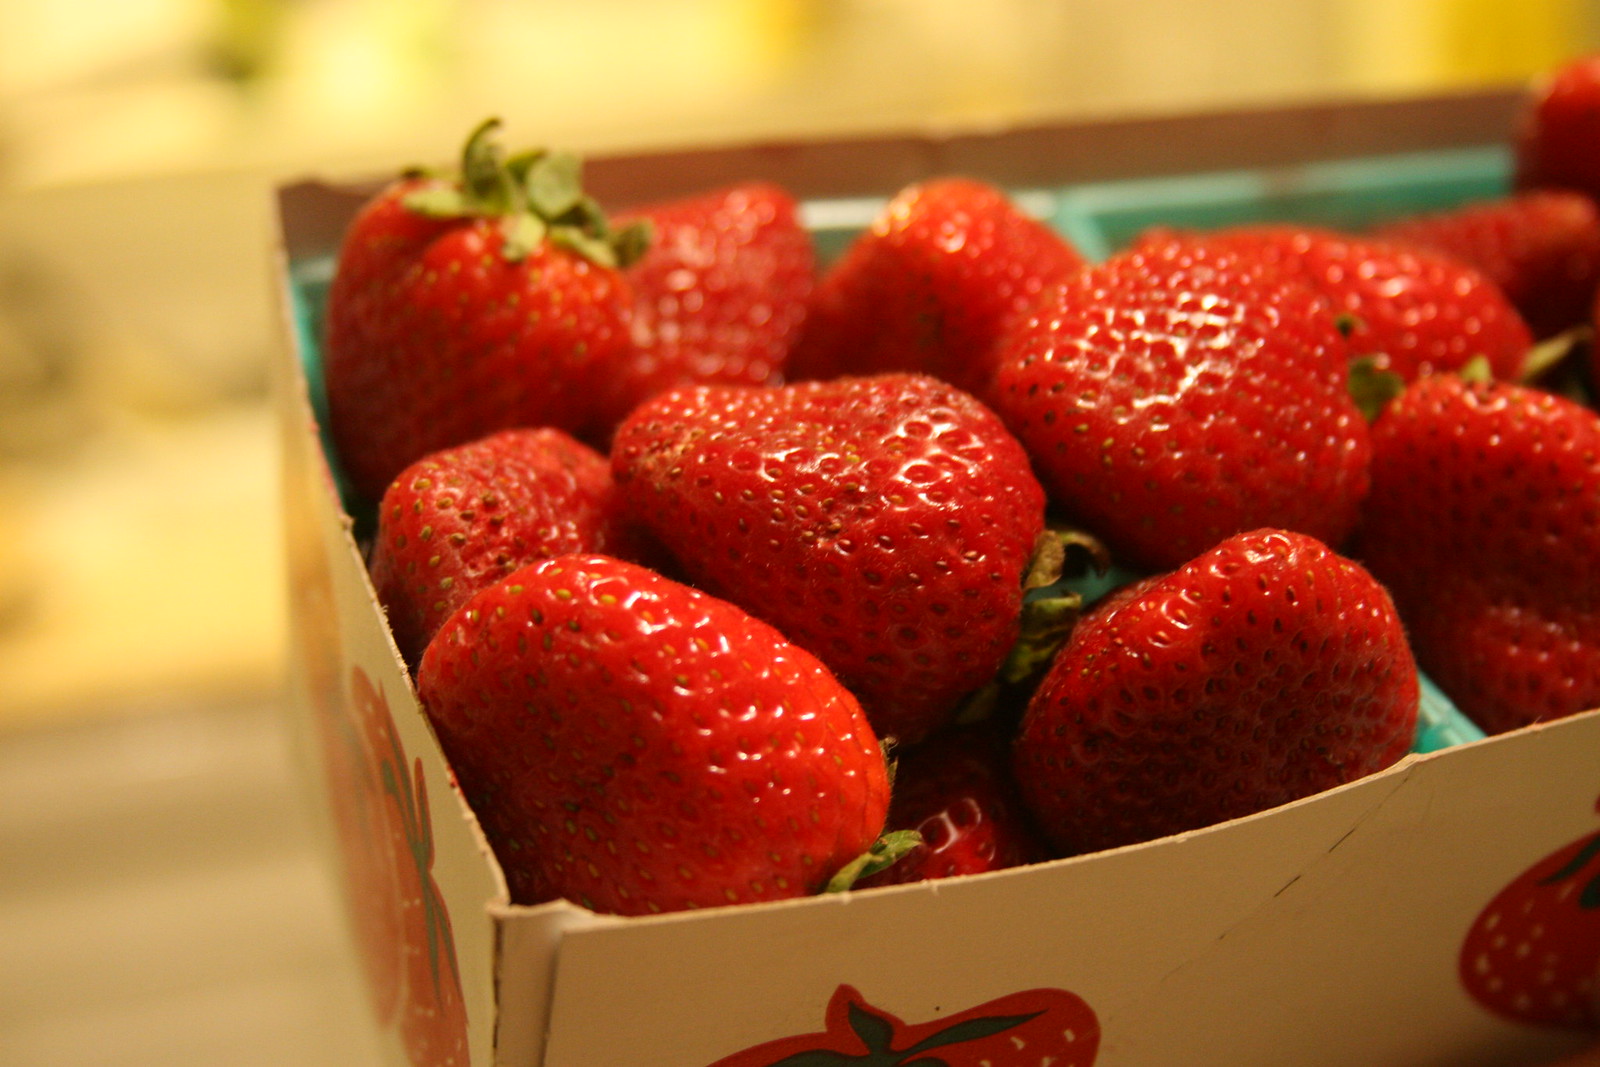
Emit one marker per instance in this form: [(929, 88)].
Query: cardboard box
[(1327, 932)]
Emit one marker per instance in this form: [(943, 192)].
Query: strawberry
[(955, 789), (1265, 670), (1533, 954), (1557, 141), (634, 745), (1484, 521), (1174, 395), (465, 304), (1541, 247), (1410, 311), (721, 294), (883, 523), (1030, 1028), (930, 286), (462, 517)]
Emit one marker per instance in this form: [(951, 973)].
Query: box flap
[(1327, 932)]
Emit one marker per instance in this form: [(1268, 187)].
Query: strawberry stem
[(885, 852), (1551, 353), (1372, 386), (537, 196)]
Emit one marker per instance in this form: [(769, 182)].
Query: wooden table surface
[(163, 900)]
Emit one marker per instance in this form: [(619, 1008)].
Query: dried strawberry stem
[(1049, 613)]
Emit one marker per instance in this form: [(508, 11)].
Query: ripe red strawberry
[(1558, 135), (1410, 310), (1032, 1028), (634, 745), (882, 523), (464, 305), (463, 517), (1265, 670), (1541, 247), (955, 789), (929, 287), (720, 295), (1484, 521), (1174, 395), (1533, 953)]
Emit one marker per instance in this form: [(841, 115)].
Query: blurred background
[(161, 900)]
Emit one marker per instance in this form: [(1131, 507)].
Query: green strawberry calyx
[(884, 853), (1550, 353), (1372, 385), (537, 196), (1050, 609), (1588, 897)]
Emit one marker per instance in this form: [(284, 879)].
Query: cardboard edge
[(1066, 150), (527, 943), (1398, 776), (1049, 152)]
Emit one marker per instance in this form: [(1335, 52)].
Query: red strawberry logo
[(363, 822), (1533, 954), (432, 1016), (1025, 1029)]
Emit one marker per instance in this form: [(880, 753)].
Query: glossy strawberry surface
[(721, 294), (463, 517), (635, 745), (1411, 310), (1176, 394), (955, 789), (435, 337), (930, 285), (1267, 669), (883, 523), (1484, 520), (1541, 247)]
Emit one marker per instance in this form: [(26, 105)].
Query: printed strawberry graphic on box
[(1024, 1029), (348, 744), (431, 1011), (1533, 954), (362, 821)]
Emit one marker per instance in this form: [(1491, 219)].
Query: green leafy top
[(537, 196)]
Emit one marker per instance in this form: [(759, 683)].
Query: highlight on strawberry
[(634, 745), (725, 577), (469, 301), (1266, 669)]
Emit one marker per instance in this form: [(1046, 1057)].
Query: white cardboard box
[(1321, 934)]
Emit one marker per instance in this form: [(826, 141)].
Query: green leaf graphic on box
[(1020, 1029)]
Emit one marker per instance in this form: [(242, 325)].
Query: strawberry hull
[(1347, 927)]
